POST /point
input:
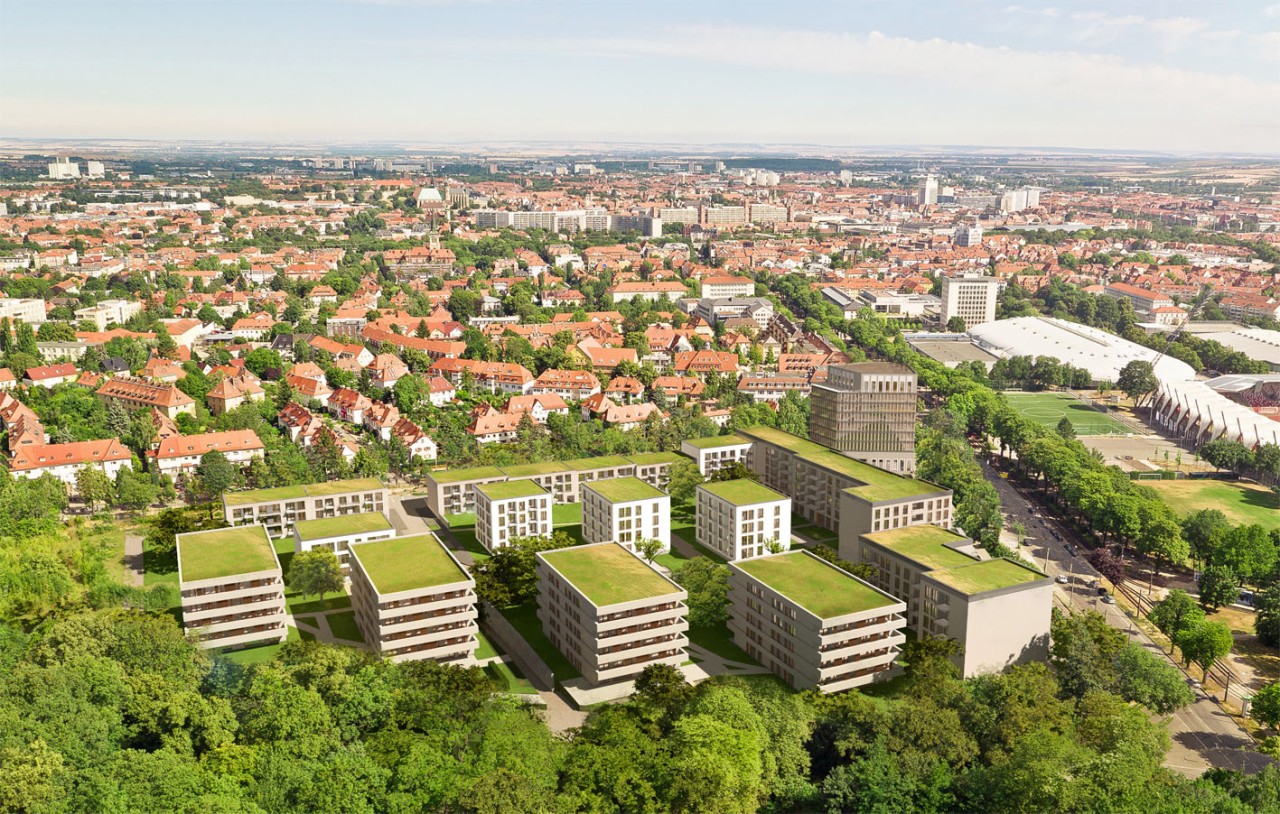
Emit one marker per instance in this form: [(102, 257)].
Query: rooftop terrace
[(341, 526), (509, 489), (624, 490), (406, 563), (742, 492)]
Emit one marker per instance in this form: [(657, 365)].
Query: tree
[(1267, 621), (1137, 378), (648, 548), (1218, 586), (683, 481), (216, 474), (1227, 454), (1066, 429), (510, 576), (134, 490), (707, 583), (734, 470), (316, 573), (1266, 705), (93, 486), (1175, 614), (1205, 644), (1150, 680), (956, 325)]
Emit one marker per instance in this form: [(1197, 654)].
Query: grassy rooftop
[(815, 585), (601, 462), (507, 489), (742, 492), (225, 552), (926, 545), (624, 490), (798, 445), (534, 469), (988, 575), (341, 526), (406, 563), (333, 487), (713, 441), (470, 473), (651, 458), (608, 574)]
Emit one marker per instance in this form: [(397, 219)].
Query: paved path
[(133, 559), (715, 664), (1204, 736)]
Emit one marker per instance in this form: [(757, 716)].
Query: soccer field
[(1242, 503), (1047, 409)]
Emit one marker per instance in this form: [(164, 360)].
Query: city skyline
[(1118, 76)]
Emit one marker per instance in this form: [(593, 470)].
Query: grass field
[(1241, 502), (1047, 409)]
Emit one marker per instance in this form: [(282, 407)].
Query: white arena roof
[(1196, 408), (1095, 350)]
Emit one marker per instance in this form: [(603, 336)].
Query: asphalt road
[(1203, 735)]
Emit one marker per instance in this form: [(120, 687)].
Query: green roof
[(926, 545), (333, 487), (624, 490), (602, 462), (713, 441), (651, 458), (786, 440), (225, 552), (341, 526), (406, 563), (608, 574), (534, 469), (507, 489), (815, 585), (742, 492), (988, 575), (471, 473)]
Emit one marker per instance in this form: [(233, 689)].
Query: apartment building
[(16, 309), (840, 493), (279, 508), (450, 491), (232, 587), (715, 452), (509, 510), (970, 297), (740, 519), (868, 411), (609, 612), (1144, 300), (812, 624), (181, 454), (109, 312), (625, 511), (723, 285), (413, 600), (997, 609), (64, 461), (134, 393), (338, 534)]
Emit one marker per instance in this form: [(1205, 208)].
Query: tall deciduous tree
[(1205, 644), (316, 573)]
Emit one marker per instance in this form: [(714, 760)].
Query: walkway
[(133, 559)]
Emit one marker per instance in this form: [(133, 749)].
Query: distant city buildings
[(927, 191)]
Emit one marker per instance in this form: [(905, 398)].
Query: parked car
[(1061, 579), (1108, 599), (1071, 549)]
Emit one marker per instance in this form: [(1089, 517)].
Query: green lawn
[(343, 626), (467, 539), (1242, 503), (109, 539), (297, 603), (261, 654), (718, 640), (675, 560), (1047, 409), (524, 618), (485, 649), (508, 678), (162, 569), (461, 520), (566, 514)]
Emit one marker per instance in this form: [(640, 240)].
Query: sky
[(1172, 76)]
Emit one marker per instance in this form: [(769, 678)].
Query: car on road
[(1070, 548), (1108, 599), (1061, 579)]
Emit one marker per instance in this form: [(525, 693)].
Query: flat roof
[(786, 440), (742, 492), (714, 441), (877, 484), (341, 526), (225, 552), (651, 458), (507, 489), (602, 462), (815, 585), (608, 574), (470, 473), (952, 351), (624, 490), (987, 575), (324, 489), (406, 563), (926, 545)]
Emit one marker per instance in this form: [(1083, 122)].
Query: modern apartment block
[(997, 609), (338, 534), (972, 297), (413, 600), (624, 511), (279, 508), (508, 510), (740, 519), (840, 493), (609, 612), (868, 411), (232, 587), (716, 452), (812, 624), (450, 491)]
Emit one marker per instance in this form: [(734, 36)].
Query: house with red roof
[(181, 454)]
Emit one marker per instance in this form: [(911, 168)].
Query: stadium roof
[(1104, 355), (1187, 404)]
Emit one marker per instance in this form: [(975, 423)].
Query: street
[(1203, 735)]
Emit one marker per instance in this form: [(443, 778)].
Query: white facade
[(31, 311), (510, 510), (927, 192), (609, 516), (231, 609), (972, 298), (741, 519), (109, 312), (63, 168), (713, 454), (362, 528)]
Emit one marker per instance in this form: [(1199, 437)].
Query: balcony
[(640, 616), (202, 613), (398, 624)]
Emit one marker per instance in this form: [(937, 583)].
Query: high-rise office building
[(867, 411), (972, 297), (63, 169), (927, 194)]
